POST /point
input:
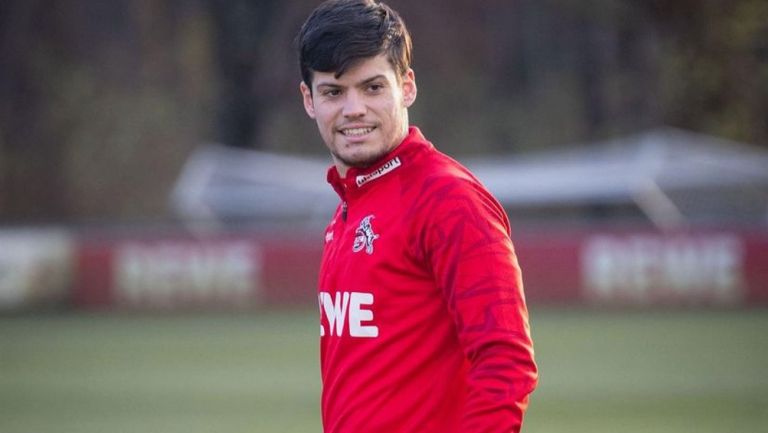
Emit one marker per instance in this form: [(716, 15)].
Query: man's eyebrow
[(333, 85), (360, 84), (369, 80)]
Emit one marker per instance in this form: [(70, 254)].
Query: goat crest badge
[(364, 236)]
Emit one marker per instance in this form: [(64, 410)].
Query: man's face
[(361, 115)]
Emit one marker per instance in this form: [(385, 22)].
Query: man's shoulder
[(437, 184), (436, 170)]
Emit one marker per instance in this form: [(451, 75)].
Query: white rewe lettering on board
[(646, 268), (347, 308)]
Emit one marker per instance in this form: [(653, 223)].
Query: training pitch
[(620, 371)]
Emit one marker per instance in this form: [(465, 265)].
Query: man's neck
[(343, 168)]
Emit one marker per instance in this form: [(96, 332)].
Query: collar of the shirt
[(358, 179)]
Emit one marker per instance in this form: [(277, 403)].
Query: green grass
[(655, 372), (600, 372)]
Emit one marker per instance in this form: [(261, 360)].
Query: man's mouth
[(356, 132)]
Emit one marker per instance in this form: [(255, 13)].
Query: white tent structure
[(221, 184), (672, 177)]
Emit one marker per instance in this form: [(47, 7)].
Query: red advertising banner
[(606, 268), (169, 273), (641, 269), (175, 271), (637, 268)]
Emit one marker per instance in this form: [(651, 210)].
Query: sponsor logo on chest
[(347, 313)]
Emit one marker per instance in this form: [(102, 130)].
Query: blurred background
[(163, 198)]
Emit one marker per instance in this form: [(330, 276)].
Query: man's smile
[(356, 132)]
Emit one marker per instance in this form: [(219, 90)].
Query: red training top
[(424, 327)]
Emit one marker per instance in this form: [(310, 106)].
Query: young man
[(424, 326)]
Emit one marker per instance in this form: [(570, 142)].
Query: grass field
[(600, 372)]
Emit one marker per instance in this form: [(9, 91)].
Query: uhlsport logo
[(381, 171), (364, 236)]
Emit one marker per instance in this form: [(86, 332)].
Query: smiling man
[(362, 114), (423, 321)]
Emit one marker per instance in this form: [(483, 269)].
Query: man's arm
[(473, 260)]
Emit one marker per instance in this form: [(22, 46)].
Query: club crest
[(364, 236)]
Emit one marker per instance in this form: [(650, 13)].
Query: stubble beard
[(367, 159), (361, 162)]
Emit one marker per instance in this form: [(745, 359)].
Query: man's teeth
[(357, 131)]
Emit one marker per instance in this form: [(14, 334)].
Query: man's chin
[(360, 161)]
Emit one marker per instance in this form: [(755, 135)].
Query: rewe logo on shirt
[(347, 311)]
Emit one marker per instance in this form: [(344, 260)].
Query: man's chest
[(371, 273), (369, 242)]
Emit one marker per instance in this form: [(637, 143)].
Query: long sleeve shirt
[(423, 321)]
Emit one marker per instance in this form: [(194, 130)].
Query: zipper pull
[(344, 211)]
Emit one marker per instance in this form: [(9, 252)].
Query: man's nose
[(354, 105)]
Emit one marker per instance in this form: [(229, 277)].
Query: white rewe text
[(346, 311)]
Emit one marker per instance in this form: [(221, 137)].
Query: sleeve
[(467, 244)]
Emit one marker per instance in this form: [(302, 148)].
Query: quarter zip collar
[(358, 179)]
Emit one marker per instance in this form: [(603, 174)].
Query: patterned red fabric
[(424, 326)]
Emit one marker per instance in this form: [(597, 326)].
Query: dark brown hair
[(340, 33)]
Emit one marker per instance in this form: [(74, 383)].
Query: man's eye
[(375, 87), (332, 92)]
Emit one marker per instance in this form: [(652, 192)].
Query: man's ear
[(309, 104), (409, 88)]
